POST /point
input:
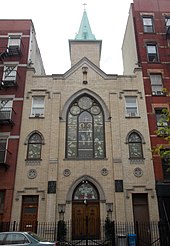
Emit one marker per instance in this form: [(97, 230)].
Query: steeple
[(85, 44), (85, 32)]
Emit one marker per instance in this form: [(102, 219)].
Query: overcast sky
[(58, 21)]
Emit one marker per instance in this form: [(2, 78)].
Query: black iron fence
[(111, 233)]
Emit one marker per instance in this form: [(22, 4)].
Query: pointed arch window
[(85, 129), (85, 191), (34, 147), (135, 146)]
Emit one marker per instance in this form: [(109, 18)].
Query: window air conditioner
[(158, 93)]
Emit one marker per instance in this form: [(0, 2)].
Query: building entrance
[(29, 213), (85, 212)]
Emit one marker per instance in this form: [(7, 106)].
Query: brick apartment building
[(147, 45), (18, 51)]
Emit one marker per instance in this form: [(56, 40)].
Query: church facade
[(84, 146)]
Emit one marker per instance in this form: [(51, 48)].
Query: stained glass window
[(85, 191), (135, 146), (85, 129), (34, 146)]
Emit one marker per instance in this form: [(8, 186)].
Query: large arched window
[(34, 147), (135, 146), (85, 129)]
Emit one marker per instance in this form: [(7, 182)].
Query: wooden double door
[(29, 213), (85, 220)]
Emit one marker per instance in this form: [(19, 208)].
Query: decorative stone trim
[(138, 172), (28, 191), (53, 161), (137, 161), (32, 162), (32, 174), (104, 172), (66, 172), (117, 160)]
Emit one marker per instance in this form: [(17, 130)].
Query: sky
[(57, 21)]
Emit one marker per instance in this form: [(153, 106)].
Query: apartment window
[(161, 118), (131, 106), (14, 44), (85, 129), (34, 147), (38, 106), (5, 108), (167, 21), (152, 52), (10, 73), (165, 157), (156, 84), (14, 40), (135, 146), (2, 198), (3, 149), (148, 24)]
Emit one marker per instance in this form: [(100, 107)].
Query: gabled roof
[(85, 32), (85, 62)]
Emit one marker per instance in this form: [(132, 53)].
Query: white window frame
[(12, 74), (152, 50), (167, 21), (37, 110), (148, 24), (131, 106), (6, 146), (14, 40), (6, 106), (156, 84), (159, 118)]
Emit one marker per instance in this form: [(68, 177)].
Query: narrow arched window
[(135, 146), (85, 129), (34, 147)]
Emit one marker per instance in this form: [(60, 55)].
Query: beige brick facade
[(110, 92)]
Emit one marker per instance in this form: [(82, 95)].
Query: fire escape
[(10, 76), (8, 81), (6, 112)]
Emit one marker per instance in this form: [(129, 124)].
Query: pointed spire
[(85, 32)]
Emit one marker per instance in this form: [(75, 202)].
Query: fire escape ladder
[(6, 114), (9, 78)]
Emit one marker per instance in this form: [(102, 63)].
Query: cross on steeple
[(84, 5)]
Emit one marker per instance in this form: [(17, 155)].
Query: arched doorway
[(85, 212)]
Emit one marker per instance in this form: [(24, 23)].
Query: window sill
[(137, 116), (36, 117), (92, 159), (152, 32), (32, 162), (154, 62), (166, 180), (137, 160)]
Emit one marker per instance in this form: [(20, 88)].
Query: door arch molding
[(91, 180)]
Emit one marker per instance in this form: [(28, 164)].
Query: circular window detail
[(32, 174), (104, 172), (95, 110), (85, 103), (75, 110), (138, 172), (67, 172)]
